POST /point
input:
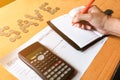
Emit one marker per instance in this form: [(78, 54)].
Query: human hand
[(94, 19)]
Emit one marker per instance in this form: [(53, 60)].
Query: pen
[(85, 9)]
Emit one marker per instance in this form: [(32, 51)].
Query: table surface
[(11, 11)]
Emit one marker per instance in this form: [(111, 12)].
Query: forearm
[(112, 26)]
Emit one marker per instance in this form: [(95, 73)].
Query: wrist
[(106, 24)]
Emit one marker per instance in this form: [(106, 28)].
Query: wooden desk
[(104, 63)]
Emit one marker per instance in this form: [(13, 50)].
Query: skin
[(95, 19)]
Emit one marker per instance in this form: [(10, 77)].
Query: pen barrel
[(87, 7), (85, 10)]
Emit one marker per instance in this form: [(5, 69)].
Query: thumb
[(79, 17)]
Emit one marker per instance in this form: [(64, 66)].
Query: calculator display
[(34, 54)]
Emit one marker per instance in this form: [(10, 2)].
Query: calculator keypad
[(52, 67)]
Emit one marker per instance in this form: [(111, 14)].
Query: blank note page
[(79, 36)]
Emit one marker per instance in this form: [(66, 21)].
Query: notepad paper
[(77, 37)]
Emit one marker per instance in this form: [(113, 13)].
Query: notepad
[(80, 39)]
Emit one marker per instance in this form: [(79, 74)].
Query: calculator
[(46, 64)]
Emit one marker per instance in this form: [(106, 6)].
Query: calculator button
[(31, 62), (62, 75), (35, 60), (63, 64), (37, 66), (49, 70), (68, 69), (44, 68), (59, 72), (52, 72), (62, 69), (45, 52), (45, 63), (56, 65), (65, 72), (59, 78), (52, 67), (55, 75), (59, 62), (40, 57), (56, 70), (41, 70), (45, 73), (48, 76), (51, 78)]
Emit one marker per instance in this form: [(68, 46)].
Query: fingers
[(83, 26), (78, 17), (82, 21), (88, 16), (85, 21), (88, 27)]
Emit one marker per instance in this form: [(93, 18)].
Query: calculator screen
[(34, 54)]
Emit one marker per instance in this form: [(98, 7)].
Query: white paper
[(75, 10), (79, 36), (50, 39)]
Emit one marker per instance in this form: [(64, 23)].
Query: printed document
[(49, 38)]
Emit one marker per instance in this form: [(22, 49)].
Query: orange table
[(104, 63)]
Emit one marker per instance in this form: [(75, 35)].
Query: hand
[(95, 19)]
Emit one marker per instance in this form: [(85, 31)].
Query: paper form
[(50, 39)]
